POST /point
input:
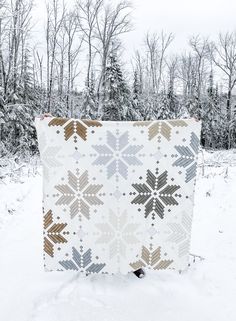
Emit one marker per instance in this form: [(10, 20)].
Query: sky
[(183, 18)]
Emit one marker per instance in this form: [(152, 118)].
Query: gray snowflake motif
[(49, 156), (82, 262), (78, 194), (180, 234), (155, 194), (117, 154), (187, 158), (118, 232)]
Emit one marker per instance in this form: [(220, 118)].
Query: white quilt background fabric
[(117, 196)]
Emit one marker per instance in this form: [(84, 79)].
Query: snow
[(206, 292)]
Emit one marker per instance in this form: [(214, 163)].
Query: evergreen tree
[(172, 103), (136, 87), (163, 108), (136, 110), (26, 87), (213, 121), (19, 109), (116, 91), (89, 105)]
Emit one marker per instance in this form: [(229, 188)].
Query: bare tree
[(223, 54), (152, 59), (55, 18), (87, 15), (60, 64), (187, 74), (38, 69), (3, 81), (201, 55), (165, 40), (172, 76), (111, 23), (156, 52), (71, 28), (15, 31), (139, 68)]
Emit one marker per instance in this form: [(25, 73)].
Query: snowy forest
[(120, 61), (83, 48)]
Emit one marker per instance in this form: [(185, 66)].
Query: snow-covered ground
[(206, 292)]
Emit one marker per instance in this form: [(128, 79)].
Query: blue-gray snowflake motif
[(117, 154)]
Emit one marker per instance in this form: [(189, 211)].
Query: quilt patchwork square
[(117, 195)]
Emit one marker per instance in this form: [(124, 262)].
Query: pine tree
[(136, 110), (136, 87), (117, 93), (20, 108), (162, 111), (26, 87), (213, 122), (172, 103), (89, 105)]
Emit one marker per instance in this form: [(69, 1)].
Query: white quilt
[(117, 196)]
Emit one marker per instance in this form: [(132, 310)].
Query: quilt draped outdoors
[(117, 195)]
